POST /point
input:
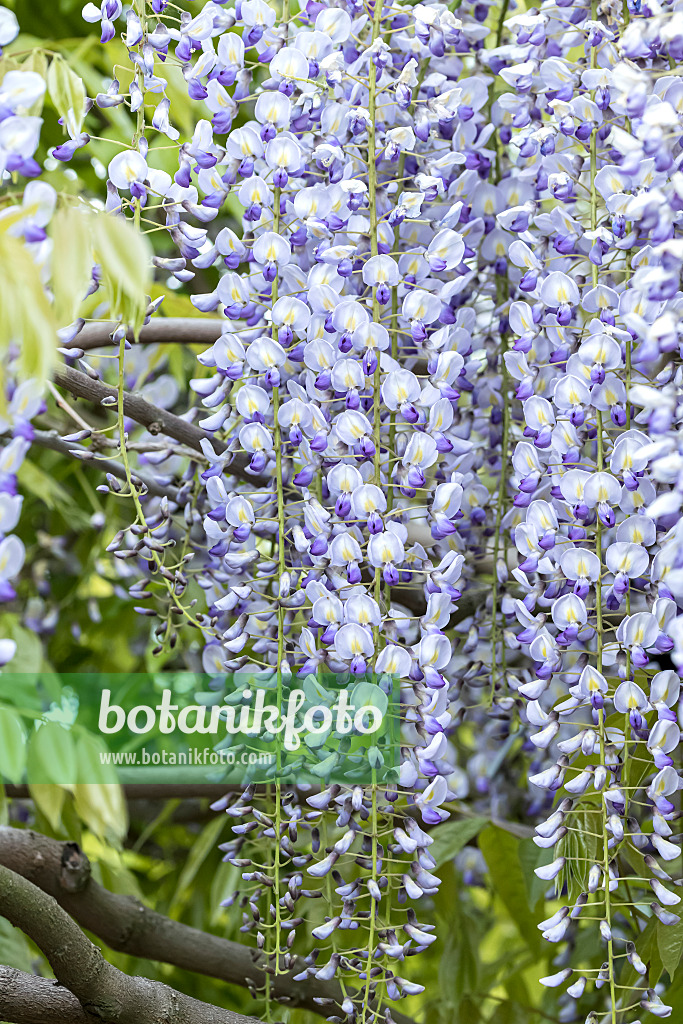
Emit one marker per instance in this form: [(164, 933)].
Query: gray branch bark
[(164, 330), (26, 999), (157, 421), (51, 439), (63, 871), (104, 992)]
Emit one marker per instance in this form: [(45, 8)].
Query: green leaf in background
[(50, 802), (26, 317), (103, 809), (46, 488), (505, 1013), (36, 61), (14, 948), (468, 1011), (72, 261), (647, 949), (501, 853), (670, 945), (90, 766), (580, 848), (531, 857), (459, 966), (52, 756), (67, 92), (124, 256), (204, 846), (28, 657), (453, 836), (12, 745), (99, 802), (674, 998)]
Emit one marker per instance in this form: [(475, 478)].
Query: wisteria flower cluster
[(440, 436)]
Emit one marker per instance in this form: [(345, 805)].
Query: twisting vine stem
[(602, 714), (502, 495), (282, 568), (377, 434), (123, 441), (394, 309)]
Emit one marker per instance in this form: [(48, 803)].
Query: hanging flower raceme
[(441, 250)]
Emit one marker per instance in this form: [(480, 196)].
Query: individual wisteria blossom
[(448, 323), (9, 26)]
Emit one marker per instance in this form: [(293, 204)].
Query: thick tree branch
[(126, 925), (105, 993), (26, 999), (165, 330), (157, 420)]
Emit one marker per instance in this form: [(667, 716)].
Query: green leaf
[(52, 756), (646, 947), (225, 881), (468, 1011), (124, 256), (103, 810), (36, 61), (501, 853), (90, 767), (674, 998), (453, 836), (459, 967), (12, 745), (670, 945), (531, 857), (14, 948), (505, 1013), (72, 263), (42, 485), (28, 658), (205, 844), (580, 848), (67, 92), (50, 801), (26, 317), (516, 987)]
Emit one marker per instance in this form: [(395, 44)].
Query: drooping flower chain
[(426, 222)]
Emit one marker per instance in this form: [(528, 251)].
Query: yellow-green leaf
[(26, 317), (72, 261), (124, 256), (12, 745), (50, 801), (67, 92), (52, 756), (36, 61)]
